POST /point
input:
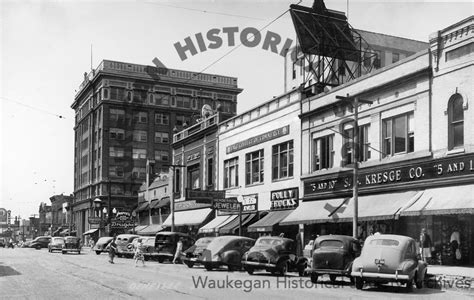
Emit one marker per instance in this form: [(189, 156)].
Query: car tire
[(359, 283), (98, 252), (314, 278), (190, 264), (419, 281), (38, 247), (284, 269), (161, 260), (63, 252), (208, 267), (249, 271)]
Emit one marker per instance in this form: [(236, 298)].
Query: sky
[(45, 47)]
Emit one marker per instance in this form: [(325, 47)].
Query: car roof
[(126, 235), (396, 237), (334, 237), (231, 238), (276, 238)]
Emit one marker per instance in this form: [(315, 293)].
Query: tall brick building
[(126, 114)]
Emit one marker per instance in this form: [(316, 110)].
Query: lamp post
[(172, 167), (354, 101)]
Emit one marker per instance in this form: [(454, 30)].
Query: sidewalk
[(451, 278)]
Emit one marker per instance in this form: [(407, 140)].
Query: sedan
[(102, 244), (226, 251), (56, 244)]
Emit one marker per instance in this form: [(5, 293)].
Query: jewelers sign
[(258, 139), (284, 199)]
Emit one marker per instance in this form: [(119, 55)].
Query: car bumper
[(390, 277), (329, 271), (257, 265)]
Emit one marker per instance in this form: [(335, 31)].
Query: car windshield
[(203, 241), (269, 242), (58, 241), (384, 242), (331, 243), (72, 240)]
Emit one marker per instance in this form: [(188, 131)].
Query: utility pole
[(149, 164), (354, 101), (171, 178)]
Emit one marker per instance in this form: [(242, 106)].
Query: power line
[(32, 107), (206, 11)]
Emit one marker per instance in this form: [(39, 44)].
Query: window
[(117, 93), (117, 114), (162, 99), (177, 181), (139, 96), (117, 134), (254, 167), (183, 101), (323, 152), (455, 122), (395, 57), (193, 177), (161, 155), (139, 136), (364, 150), (162, 137), (398, 134), (116, 171), (231, 172), (138, 153), (378, 59), (138, 173), (180, 120), (282, 160), (140, 117), (162, 119), (115, 152), (210, 172)]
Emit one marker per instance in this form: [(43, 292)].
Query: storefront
[(189, 216)]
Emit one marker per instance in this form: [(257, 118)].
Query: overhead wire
[(32, 107)]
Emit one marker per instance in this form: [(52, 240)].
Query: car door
[(411, 255)]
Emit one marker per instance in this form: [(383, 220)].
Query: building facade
[(60, 213), (126, 114)]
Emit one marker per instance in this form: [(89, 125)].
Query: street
[(36, 274)]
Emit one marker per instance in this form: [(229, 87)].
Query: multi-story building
[(45, 219), (60, 219), (126, 114)]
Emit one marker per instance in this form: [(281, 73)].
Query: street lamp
[(97, 205)]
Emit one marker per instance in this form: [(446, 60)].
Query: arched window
[(455, 122)]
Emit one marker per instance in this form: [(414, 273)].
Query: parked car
[(333, 255), (193, 253), (165, 244), (226, 251), (71, 244), (26, 243), (40, 242), (102, 244), (389, 258), (124, 247), (2, 242), (274, 254), (56, 244), (149, 251)]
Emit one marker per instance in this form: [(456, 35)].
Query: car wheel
[(160, 259), (359, 283), (284, 269), (64, 252), (79, 252), (208, 267), (314, 278), (190, 264), (38, 247), (97, 252), (419, 281), (249, 271), (49, 250), (332, 277)]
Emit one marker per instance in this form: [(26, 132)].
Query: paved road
[(37, 274)]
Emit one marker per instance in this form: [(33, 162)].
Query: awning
[(65, 231), (142, 206), (216, 223), (266, 223), (160, 203), (233, 226), (90, 231), (139, 227), (188, 217), (443, 201), (150, 229), (322, 211)]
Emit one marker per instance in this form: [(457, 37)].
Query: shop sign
[(262, 138), (249, 204), (189, 205), (204, 195), (284, 199), (411, 173), (122, 224), (94, 220), (193, 156), (227, 204)]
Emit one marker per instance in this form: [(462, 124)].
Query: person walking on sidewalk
[(455, 243), (139, 253), (425, 245), (179, 249), (112, 250)]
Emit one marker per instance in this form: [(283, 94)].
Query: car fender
[(302, 261), (231, 257)]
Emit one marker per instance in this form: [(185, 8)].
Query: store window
[(455, 122), (193, 177), (140, 136), (254, 167), (282, 160), (398, 134), (348, 139), (323, 152), (231, 172), (138, 153)]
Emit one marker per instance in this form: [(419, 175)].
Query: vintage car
[(389, 258), (192, 255), (148, 244), (274, 254), (102, 244), (56, 244), (40, 242), (333, 255), (165, 244), (71, 244), (124, 247), (226, 250)]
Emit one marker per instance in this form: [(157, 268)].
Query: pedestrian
[(91, 244), (425, 245), (455, 244), (112, 250), (10, 243), (139, 253), (179, 249)]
